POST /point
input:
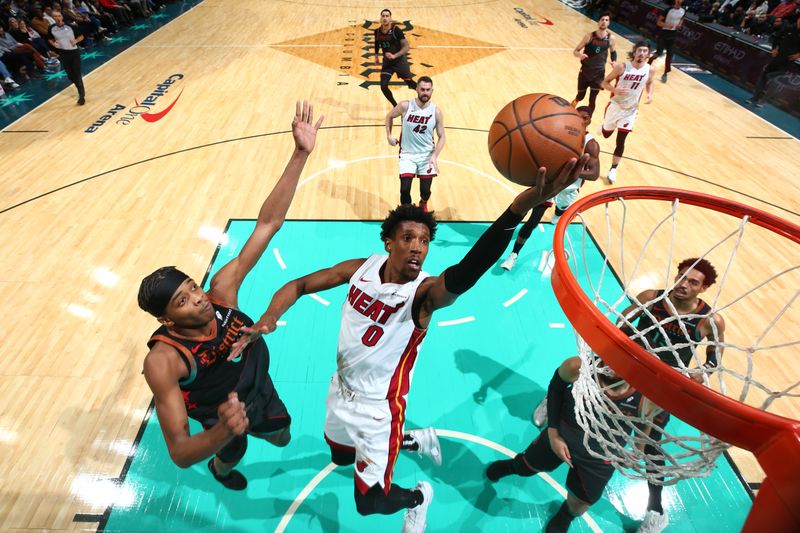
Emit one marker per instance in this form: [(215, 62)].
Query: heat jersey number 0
[(372, 335)]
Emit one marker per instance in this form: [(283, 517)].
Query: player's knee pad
[(234, 450), (342, 457)]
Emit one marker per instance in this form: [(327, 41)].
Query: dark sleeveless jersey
[(597, 50), (673, 330), (389, 42), (211, 376), (629, 405)]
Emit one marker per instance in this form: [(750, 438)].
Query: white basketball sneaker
[(612, 175), (415, 519), (539, 417), (653, 522), (428, 444), (510, 261), (554, 219)]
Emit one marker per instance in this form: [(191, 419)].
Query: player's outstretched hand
[(559, 446), (266, 324), (303, 129), (232, 415), (533, 196)]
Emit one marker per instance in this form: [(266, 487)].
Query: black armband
[(484, 253), (614, 56), (555, 398)]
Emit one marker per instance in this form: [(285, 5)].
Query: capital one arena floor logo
[(150, 108), (432, 51)]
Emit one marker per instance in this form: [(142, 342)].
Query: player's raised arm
[(442, 290), (286, 296), (225, 284)]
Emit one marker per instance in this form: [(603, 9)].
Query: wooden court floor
[(85, 215)]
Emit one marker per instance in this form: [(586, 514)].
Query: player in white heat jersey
[(632, 78), (389, 305), (418, 152)]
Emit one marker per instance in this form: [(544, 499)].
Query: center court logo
[(124, 116)]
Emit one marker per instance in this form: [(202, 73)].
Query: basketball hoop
[(723, 420)]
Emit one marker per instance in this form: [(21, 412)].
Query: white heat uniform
[(567, 197), (378, 346), (416, 141), (622, 109)]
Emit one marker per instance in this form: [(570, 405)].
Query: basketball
[(533, 131)]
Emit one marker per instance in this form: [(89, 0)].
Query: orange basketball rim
[(773, 439)]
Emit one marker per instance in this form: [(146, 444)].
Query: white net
[(756, 292)]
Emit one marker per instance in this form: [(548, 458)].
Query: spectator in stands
[(758, 26), (121, 13), (100, 17), (25, 35), (699, 7), (786, 49), (85, 26), (784, 9), (38, 22), (5, 77), (9, 45), (17, 61), (732, 17), (711, 15), (48, 15)]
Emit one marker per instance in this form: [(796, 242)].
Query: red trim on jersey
[(186, 354), (398, 388), (427, 176), (398, 409), (412, 175), (622, 130), (361, 486)]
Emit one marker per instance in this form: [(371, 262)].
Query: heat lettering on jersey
[(370, 307), (418, 119), (633, 77)]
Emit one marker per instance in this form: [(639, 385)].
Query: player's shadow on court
[(519, 393), (464, 471), (469, 233)]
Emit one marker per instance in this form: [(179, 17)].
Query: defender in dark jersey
[(593, 50), (672, 328), (187, 367), (562, 442), (391, 43)]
